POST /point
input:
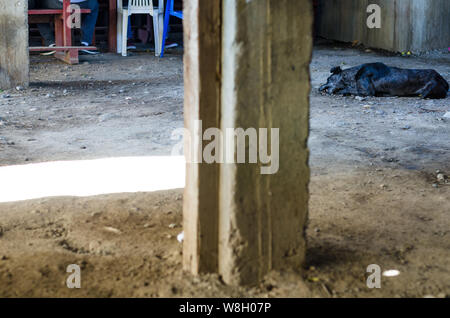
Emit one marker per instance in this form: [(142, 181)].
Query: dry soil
[(375, 195)]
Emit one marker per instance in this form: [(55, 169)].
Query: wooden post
[(63, 35), (202, 60), (112, 28), (239, 221), (14, 60), (267, 47)]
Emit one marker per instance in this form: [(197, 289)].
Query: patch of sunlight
[(91, 177)]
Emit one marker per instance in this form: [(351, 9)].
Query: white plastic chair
[(138, 7)]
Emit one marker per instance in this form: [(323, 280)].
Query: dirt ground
[(375, 195)]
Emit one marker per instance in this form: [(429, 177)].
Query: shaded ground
[(372, 201), (104, 107)]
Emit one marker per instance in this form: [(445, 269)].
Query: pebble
[(360, 98), (112, 230), (435, 185), (6, 96), (49, 95), (19, 88), (447, 115), (172, 226), (406, 127), (441, 177), (94, 246)]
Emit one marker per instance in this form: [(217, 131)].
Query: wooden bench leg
[(63, 37), (112, 29)]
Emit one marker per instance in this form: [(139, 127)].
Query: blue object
[(169, 12), (129, 31)]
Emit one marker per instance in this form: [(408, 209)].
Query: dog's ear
[(336, 70)]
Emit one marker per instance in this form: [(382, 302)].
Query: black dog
[(378, 79)]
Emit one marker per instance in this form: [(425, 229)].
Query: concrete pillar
[(239, 219), (14, 61)]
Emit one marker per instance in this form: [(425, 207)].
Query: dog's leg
[(429, 91)]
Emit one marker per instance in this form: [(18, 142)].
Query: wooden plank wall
[(416, 25)]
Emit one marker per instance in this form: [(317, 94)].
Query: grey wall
[(416, 25)]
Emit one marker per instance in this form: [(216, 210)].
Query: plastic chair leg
[(124, 32), (161, 13), (156, 31), (119, 32)]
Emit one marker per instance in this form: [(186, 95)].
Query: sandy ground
[(375, 197)]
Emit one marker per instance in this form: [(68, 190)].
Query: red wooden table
[(63, 32)]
